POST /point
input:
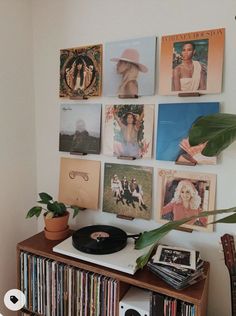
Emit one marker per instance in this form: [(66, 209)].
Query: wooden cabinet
[(37, 245)]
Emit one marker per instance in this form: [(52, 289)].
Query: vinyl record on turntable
[(99, 239)]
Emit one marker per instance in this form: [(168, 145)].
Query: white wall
[(70, 23), (17, 137)]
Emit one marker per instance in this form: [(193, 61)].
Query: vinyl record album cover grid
[(192, 62), (80, 128), (81, 71), (128, 130), (129, 67), (183, 194), (79, 182), (128, 190), (174, 123)]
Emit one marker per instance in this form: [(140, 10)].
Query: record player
[(104, 245)]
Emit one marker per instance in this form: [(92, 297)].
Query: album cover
[(174, 123), (175, 256), (79, 182), (80, 128), (81, 71), (183, 194), (129, 67), (192, 62), (128, 190), (128, 130)]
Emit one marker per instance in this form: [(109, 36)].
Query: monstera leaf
[(152, 237), (218, 130)]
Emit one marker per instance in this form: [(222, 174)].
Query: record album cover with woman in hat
[(129, 67), (128, 130), (128, 190)]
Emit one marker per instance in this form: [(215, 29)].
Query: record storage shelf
[(196, 294)]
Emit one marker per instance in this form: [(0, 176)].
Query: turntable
[(104, 245)]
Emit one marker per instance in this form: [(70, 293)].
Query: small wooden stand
[(82, 208), (78, 97), (185, 159), (189, 94), (128, 96), (184, 229), (78, 154), (129, 218), (126, 157)]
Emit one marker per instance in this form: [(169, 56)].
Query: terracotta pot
[(56, 224), (57, 235), (57, 227)]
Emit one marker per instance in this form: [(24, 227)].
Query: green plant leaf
[(148, 238), (34, 211), (55, 208), (76, 210), (143, 260), (62, 207), (227, 220), (153, 236), (218, 130), (45, 198)]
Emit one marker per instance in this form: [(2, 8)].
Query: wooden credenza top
[(41, 246)]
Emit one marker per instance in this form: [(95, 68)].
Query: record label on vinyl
[(99, 239)]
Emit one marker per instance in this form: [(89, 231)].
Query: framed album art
[(129, 67), (79, 182), (81, 71), (80, 128), (192, 62), (128, 190), (184, 194), (128, 130), (174, 122)]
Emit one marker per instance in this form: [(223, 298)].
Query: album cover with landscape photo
[(80, 128), (79, 182), (174, 123), (192, 62), (128, 130), (128, 190)]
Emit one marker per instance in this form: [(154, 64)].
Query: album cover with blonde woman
[(192, 62), (183, 194)]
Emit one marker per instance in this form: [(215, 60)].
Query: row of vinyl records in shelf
[(52, 288), (55, 289)]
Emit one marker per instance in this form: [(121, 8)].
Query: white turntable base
[(123, 260)]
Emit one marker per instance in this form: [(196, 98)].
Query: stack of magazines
[(178, 267)]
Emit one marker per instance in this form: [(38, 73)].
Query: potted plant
[(56, 216), (218, 131)]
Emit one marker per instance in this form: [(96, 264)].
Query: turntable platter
[(99, 239)]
